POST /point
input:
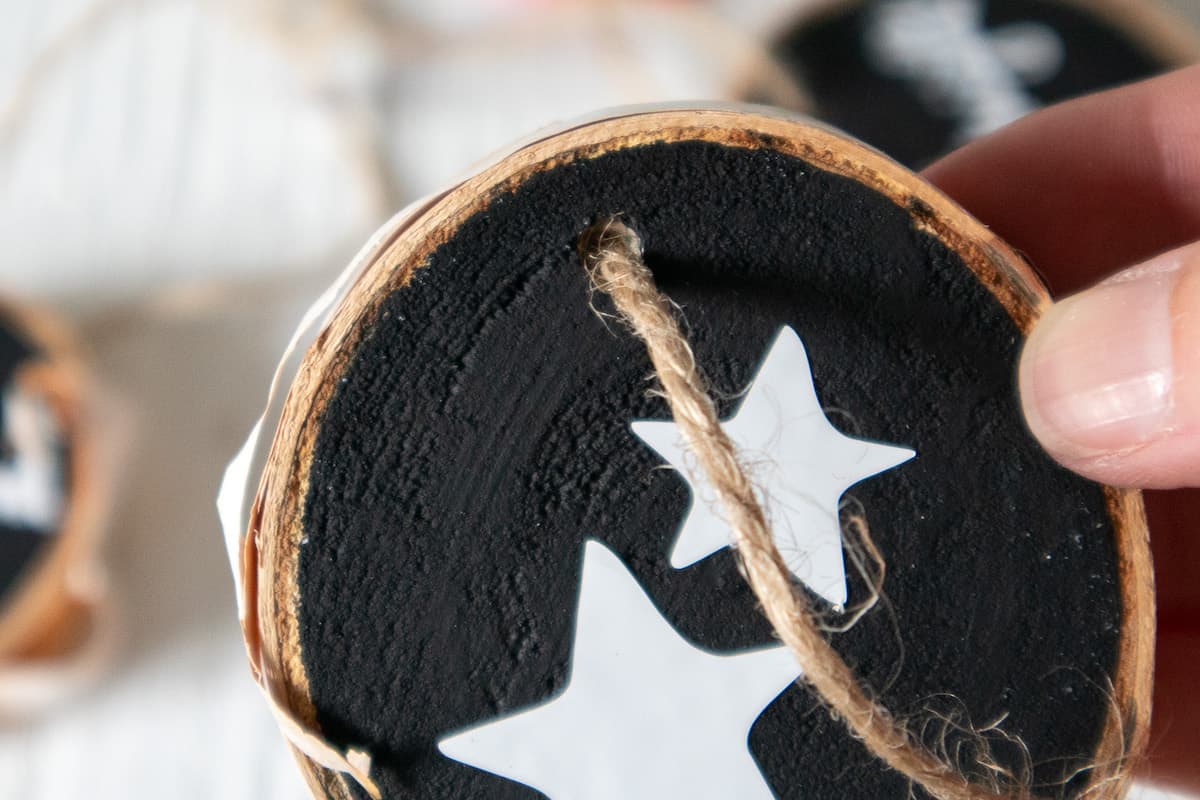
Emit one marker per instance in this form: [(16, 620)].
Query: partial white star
[(30, 488), (645, 715), (962, 69), (800, 462)]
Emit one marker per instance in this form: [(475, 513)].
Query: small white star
[(800, 462), (645, 715)]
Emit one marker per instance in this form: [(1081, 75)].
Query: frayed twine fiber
[(612, 254)]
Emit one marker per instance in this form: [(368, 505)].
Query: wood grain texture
[(278, 508)]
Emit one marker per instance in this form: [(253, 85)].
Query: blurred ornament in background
[(57, 625), (917, 78), (141, 135), (448, 85), (149, 130)]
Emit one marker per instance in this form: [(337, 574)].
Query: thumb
[(1110, 377)]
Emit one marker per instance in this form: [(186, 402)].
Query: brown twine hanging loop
[(612, 255)]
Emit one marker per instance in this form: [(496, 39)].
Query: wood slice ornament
[(918, 78), (482, 560), (56, 622)]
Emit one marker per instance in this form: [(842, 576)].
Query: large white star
[(645, 715), (800, 462)]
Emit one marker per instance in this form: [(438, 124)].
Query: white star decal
[(30, 491), (962, 69), (800, 462), (645, 715)]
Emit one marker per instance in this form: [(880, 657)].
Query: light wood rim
[(277, 513)]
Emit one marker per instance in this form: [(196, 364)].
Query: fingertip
[(1110, 377)]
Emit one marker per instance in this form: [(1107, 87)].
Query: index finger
[(1088, 186)]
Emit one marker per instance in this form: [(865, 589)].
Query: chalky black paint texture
[(19, 546), (481, 433), (827, 54)]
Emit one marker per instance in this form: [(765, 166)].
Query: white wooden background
[(180, 185)]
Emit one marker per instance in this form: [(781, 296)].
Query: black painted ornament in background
[(481, 433), (29, 499), (917, 78)]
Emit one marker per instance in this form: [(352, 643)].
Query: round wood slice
[(917, 78), (462, 427), (50, 499)]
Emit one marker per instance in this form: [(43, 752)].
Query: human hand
[(1108, 186)]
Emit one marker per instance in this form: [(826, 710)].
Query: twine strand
[(612, 255)]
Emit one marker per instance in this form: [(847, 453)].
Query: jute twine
[(612, 254)]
